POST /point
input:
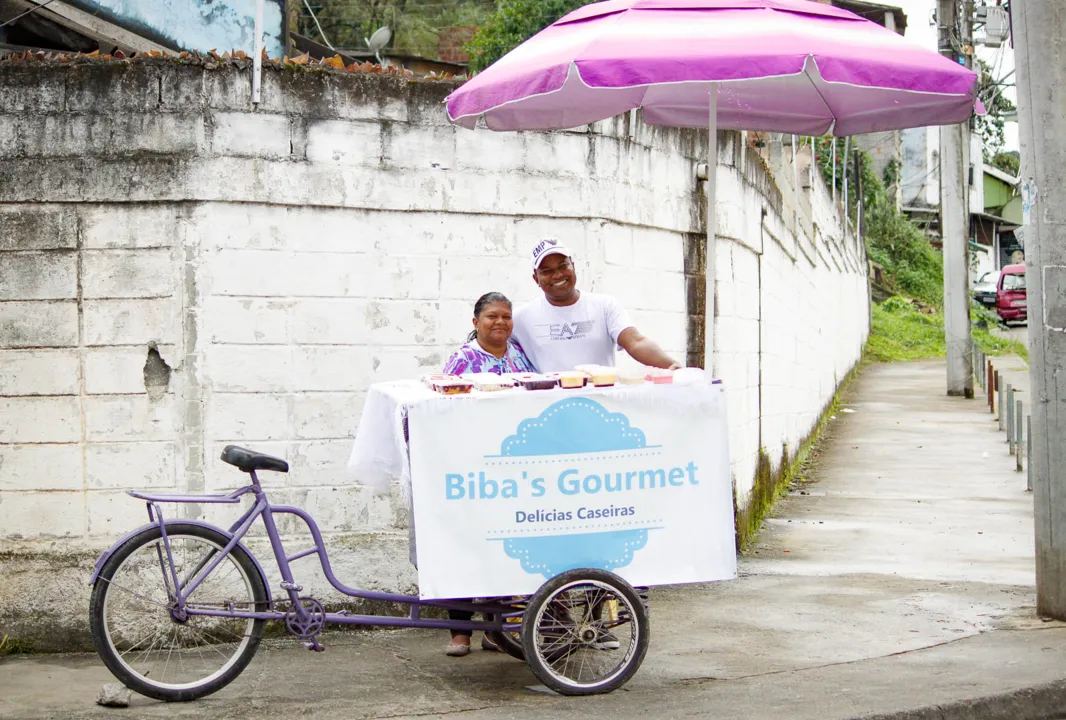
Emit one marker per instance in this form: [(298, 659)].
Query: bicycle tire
[(559, 624), (135, 563)]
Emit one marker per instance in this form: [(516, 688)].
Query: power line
[(324, 38)]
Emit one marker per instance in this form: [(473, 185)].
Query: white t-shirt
[(560, 338)]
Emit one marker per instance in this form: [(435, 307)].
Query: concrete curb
[(1041, 702)]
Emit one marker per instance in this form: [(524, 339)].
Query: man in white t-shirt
[(567, 327)]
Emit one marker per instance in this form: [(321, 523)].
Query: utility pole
[(954, 213), (1040, 56)]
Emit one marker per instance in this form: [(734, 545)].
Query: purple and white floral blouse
[(471, 358)]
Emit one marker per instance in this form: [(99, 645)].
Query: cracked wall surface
[(180, 271)]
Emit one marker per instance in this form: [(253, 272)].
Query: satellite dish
[(379, 40)]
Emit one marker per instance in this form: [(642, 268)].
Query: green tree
[(514, 22), (1009, 161), (990, 126)]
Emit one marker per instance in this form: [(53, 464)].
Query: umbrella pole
[(712, 219)]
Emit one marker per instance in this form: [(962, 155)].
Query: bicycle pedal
[(314, 645)]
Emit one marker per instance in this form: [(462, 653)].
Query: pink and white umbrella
[(791, 66)]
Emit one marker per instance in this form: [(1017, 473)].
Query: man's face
[(556, 277)]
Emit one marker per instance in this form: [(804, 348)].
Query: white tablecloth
[(380, 453)]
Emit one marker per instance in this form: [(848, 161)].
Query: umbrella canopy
[(790, 66)]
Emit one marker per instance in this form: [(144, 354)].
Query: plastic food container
[(572, 379), (432, 379), (489, 382), (604, 377), (536, 382), (690, 376), (659, 376), (453, 386), (632, 377)]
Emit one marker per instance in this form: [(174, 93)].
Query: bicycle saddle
[(249, 460)]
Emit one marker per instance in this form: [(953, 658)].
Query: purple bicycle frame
[(263, 507)]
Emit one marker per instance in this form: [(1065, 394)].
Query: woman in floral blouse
[(489, 347)]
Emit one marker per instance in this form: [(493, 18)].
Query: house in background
[(995, 202), (162, 25), (993, 237)]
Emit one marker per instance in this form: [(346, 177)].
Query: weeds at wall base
[(14, 646), (770, 484)]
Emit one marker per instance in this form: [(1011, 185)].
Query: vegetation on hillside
[(421, 27), (514, 22), (902, 329), (417, 25)]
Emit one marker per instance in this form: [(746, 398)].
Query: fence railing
[(1005, 402)]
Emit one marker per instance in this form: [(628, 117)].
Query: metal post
[(1000, 415), (712, 229), (1040, 58), (847, 208), (257, 53), (990, 386), (1010, 419), (1018, 437), (1029, 453), (834, 171)]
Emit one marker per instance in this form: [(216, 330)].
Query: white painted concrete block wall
[(282, 261)]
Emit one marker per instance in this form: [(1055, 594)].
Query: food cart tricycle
[(539, 511)]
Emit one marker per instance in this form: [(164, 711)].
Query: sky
[(921, 31)]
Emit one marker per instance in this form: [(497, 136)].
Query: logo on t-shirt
[(571, 331)]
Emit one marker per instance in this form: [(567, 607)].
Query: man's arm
[(645, 351)]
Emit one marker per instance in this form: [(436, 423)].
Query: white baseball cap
[(546, 247)]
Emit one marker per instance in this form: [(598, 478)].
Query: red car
[(1011, 301)]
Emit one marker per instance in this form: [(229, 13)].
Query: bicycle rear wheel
[(152, 647)]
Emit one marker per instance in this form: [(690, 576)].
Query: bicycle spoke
[(138, 595)]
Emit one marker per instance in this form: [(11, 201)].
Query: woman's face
[(494, 323)]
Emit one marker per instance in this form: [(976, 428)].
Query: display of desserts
[(452, 385), (534, 381), (489, 382), (582, 376), (572, 379)]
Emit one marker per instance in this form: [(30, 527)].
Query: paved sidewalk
[(896, 583)]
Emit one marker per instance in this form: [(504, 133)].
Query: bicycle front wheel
[(153, 647), (585, 632)]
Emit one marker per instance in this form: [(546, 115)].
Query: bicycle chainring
[(308, 623)]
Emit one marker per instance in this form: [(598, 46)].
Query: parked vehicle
[(1011, 300), (986, 288)]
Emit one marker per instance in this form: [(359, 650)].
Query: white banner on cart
[(514, 488)]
